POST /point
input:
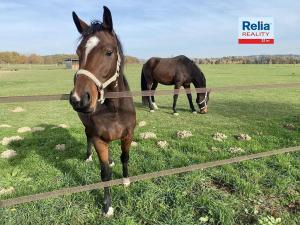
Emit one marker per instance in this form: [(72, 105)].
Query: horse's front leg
[(89, 150), (125, 145), (153, 88), (89, 147), (175, 97), (189, 96), (101, 148), (151, 106)]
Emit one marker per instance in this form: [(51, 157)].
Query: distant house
[(72, 64)]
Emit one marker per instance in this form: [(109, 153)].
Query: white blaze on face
[(90, 44)]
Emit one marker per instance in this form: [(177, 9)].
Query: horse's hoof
[(109, 213), (194, 112), (89, 159), (155, 106), (152, 111), (176, 114), (112, 164), (126, 182)]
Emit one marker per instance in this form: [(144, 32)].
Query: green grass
[(243, 193)]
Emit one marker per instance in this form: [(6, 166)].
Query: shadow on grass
[(140, 106), (43, 144), (74, 171)]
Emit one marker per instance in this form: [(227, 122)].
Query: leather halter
[(101, 86), (203, 101)]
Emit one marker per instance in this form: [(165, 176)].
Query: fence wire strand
[(129, 94), (147, 176)]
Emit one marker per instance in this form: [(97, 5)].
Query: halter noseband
[(101, 86), (203, 101)]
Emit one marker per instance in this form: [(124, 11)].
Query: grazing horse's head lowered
[(202, 101), (100, 59), (178, 71)]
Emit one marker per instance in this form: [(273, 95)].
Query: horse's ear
[(107, 19), (80, 24)]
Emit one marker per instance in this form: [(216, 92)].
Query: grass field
[(245, 193)]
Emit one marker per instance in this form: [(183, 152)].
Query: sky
[(163, 28)]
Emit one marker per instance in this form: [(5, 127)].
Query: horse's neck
[(119, 85), (198, 83)]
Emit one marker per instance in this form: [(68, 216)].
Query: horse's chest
[(107, 128)]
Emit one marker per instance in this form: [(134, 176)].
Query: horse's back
[(170, 70)]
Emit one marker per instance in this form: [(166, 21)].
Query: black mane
[(95, 26)]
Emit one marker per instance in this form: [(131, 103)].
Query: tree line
[(255, 59), (17, 58)]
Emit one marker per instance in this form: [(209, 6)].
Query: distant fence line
[(127, 94), (162, 173)]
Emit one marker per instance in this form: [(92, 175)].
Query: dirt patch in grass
[(18, 109), (8, 140), (242, 137), (148, 135), (24, 129), (294, 207), (60, 147), (184, 134), (7, 191), (5, 126), (236, 150), (8, 154), (223, 186), (214, 149), (269, 205), (163, 144), (64, 126), (289, 126), (219, 137), (134, 144), (37, 129), (142, 123)]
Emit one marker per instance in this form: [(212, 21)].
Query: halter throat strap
[(101, 86)]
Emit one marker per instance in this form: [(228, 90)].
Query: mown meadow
[(252, 192)]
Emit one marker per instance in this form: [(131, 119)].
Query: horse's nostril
[(74, 100), (88, 96), (86, 99)]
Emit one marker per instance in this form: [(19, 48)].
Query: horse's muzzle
[(204, 110), (81, 103)]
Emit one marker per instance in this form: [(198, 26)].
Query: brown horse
[(101, 69), (178, 71)]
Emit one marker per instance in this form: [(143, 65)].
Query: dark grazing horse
[(178, 71), (101, 69)]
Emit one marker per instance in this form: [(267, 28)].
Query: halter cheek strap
[(101, 86), (203, 101)]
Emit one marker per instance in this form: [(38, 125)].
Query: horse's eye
[(108, 53)]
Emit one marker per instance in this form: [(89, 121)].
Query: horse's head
[(202, 101), (99, 62)]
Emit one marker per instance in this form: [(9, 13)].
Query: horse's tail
[(144, 87)]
